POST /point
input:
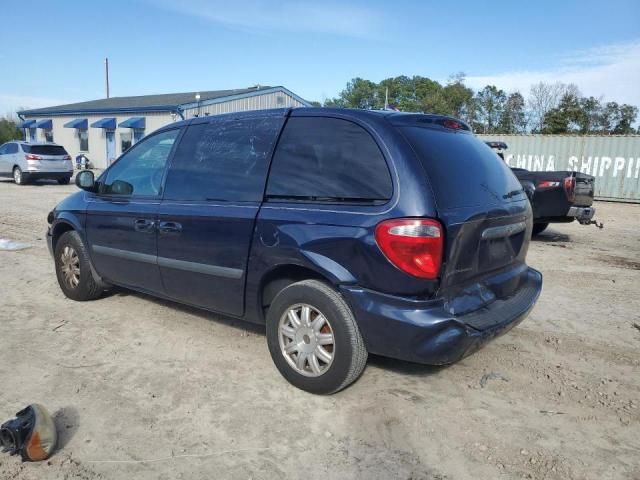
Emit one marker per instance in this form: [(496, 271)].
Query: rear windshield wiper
[(513, 193), (326, 199)]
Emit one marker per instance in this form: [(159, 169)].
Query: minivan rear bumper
[(425, 332)]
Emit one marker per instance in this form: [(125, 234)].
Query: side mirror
[(86, 181)]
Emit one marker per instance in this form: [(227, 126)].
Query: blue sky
[(52, 52)]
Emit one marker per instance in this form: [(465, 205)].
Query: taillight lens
[(66, 157), (31, 156), (413, 245), (570, 188), (548, 184)]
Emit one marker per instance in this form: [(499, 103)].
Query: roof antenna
[(106, 73)]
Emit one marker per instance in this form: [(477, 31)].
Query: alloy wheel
[(306, 340), (70, 266)]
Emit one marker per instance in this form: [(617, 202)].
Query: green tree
[(460, 99), (566, 117), (490, 105), (513, 118), (627, 115), (9, 130)]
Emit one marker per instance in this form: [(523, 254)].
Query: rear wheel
[(64, 181), (73, 269), (314, 339), (538, 228), (18, 177)]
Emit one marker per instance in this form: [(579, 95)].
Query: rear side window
[(11, 148), (44, 149), (328, 159), (462, 170), (224, 160)]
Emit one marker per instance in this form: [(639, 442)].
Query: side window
[(328, 159), (139, 171), (223, 160), (11, 148), (3, 149)]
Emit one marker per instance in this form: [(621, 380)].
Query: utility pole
[(386, 98), (106, 73)]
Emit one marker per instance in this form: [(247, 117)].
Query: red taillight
[(66, 157), (452, 124), (413, 245), (548, 184), (31, 156), (570, 188)]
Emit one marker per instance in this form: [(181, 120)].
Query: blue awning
[(27, 124), (79, 123), (45, 124), (109, 123), (133, 122)]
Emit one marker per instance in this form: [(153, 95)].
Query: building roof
[(153, 103)]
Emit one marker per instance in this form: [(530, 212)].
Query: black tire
[(64, 181), (19, 177), (87, 287), (348, 350), (538, 228)]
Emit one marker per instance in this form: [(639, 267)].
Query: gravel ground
[(147, 389)]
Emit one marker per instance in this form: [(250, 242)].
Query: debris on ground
[(492, 376), (32, 434), (12, 245)]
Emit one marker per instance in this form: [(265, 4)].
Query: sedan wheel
[(17, 176), (306, 340)]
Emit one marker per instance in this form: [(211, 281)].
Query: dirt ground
[(143, 388)]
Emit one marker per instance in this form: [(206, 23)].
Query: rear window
[(328, 159), (44, 149), (462, 170)]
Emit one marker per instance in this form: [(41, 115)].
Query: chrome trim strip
[(226, 272), (503, 231)]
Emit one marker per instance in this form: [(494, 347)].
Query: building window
[(279, 100), (48, 136), (125, 141), (83, 136)]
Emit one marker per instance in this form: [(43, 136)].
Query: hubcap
[(70, 266), (17, 176), (306, 340)]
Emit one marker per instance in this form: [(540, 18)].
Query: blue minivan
[(344, 232)]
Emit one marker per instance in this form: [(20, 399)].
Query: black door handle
[(170, 227), (145, 226)]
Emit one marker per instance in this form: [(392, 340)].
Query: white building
[(103, 129)]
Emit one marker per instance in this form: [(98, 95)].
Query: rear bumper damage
[(426, 332)]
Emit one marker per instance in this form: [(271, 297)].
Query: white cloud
[(263, 16), (609, 70), (9, 104)]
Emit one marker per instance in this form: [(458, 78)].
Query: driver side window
[(139, 171)]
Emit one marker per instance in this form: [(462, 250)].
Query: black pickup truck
[(556, 197)]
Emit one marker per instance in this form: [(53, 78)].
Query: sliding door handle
[(144, 225), (170, 227)]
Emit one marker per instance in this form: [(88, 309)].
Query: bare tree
[(544, 97)]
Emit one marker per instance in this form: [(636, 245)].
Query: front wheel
[(538, 228), (74, 270), (313, 338)]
